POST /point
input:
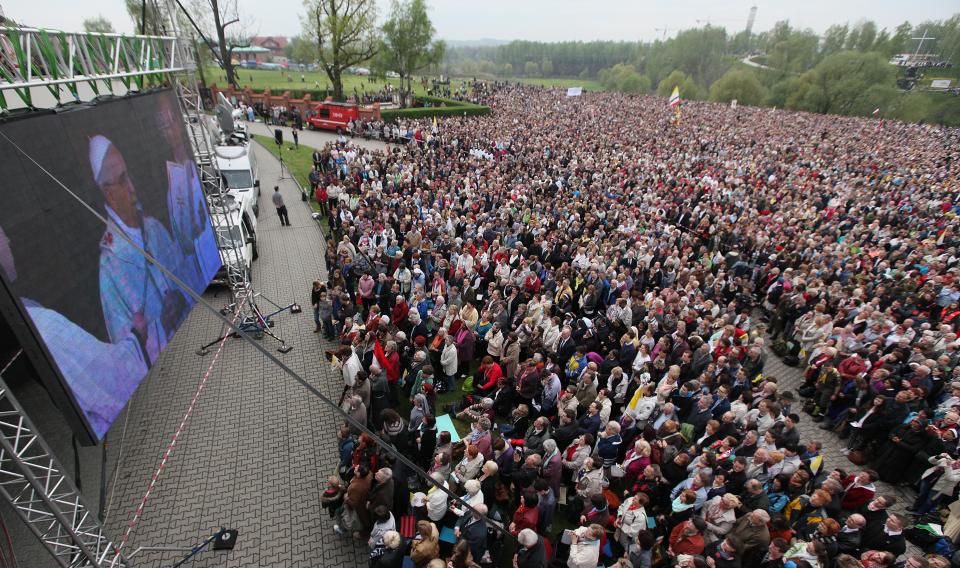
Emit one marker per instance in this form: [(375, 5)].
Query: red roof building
[(274, 43)]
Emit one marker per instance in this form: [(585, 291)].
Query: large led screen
[(100, 313)]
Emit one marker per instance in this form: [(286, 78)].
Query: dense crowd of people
[(596, 292)]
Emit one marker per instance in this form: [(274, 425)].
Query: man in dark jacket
[(789, 435), (568, 431), (725, 553), (531, 552), (891, 538), (473, 529), (848, 539), (875, 516), (382, 492), (754, 497), (699, 415)]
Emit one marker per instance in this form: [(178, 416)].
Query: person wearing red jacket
[(389, 361), (852, 367), (489, 373), (687, 537), (859, 489), (527, 514), (400, 312)]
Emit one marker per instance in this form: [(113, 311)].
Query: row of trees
[(337, 34), (846, 82), (704, 53), (843, 71)]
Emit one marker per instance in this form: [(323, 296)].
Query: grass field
[(260, 79), (588, 84), (299, 161)]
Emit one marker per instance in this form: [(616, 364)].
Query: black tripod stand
[(284, 170), (255, 322)]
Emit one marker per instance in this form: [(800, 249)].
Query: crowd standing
[(596, 291)]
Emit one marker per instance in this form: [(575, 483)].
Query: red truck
[(329, 115)]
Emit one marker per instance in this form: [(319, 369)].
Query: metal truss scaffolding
[(35, 484), (50, 59), (201, 131)]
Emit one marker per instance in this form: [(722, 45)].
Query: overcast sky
[(545, 20)]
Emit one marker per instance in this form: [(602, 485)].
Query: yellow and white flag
[(675, 102), (675, 97)]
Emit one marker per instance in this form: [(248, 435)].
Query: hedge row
[(390, 115), (451, 107)]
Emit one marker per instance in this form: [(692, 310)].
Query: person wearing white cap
[(131, 288)]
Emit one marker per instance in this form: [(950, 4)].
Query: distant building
[(253, 53), (274, 43)]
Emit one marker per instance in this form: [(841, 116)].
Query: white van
[(240, 172), (235, 229)]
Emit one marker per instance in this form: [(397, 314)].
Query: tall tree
[(833, 39), (624, 78), (866, 36), (898, 43), (689, 89), (739, 84), (847, 83), (146, 19), (408, 44), (98, 24), (300, 50), (226, 14), (345, 35)]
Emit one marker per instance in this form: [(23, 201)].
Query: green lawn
[(260, 79), (588, 84), (298, 160)]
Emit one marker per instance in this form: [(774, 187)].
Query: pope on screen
[(133, 291)]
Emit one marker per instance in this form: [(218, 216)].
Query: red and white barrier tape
[(173, 442)]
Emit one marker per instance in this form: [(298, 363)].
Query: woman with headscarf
[(426, 544), (419, 409), (425, 438)]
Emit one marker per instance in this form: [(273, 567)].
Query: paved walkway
[(312, 138), (748, 60), (790, 378)]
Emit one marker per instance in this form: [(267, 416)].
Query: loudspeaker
[(278, 136), (226, 541)]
